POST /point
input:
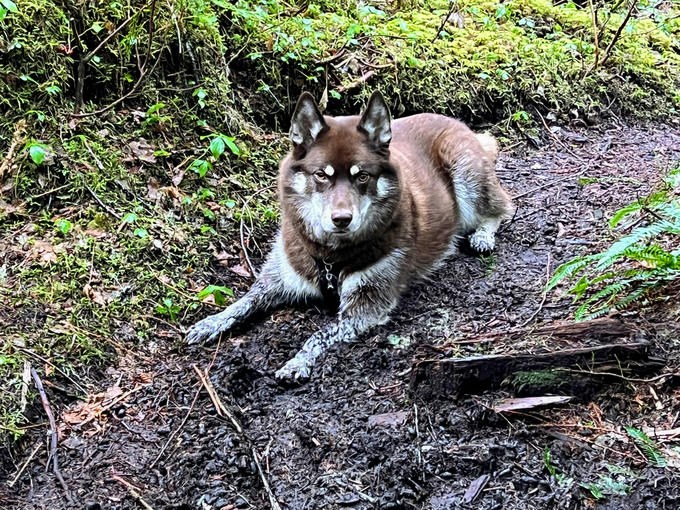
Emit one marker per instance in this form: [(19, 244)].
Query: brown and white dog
[(368, 205)]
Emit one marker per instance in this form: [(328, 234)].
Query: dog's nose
[(341, 219)]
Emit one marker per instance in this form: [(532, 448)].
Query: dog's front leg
[(366, 300), (278, 284)]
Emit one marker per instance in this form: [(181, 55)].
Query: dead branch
[(53, 434), (608, 51), (134, 491), (26, 463), (222, 410), (451, 376)]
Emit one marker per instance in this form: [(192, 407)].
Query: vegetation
[(645, 260), (140, 140)]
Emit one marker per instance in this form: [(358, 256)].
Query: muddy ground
[(321, 444)]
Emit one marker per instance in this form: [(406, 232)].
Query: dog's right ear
[(307, 122)]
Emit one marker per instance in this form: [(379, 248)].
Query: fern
[(644, 260), (648, 447)]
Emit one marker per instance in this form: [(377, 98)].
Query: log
[(453, 376)]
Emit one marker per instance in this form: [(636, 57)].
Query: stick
[(176, 431), (221, 408), (53, 430), (26, 462), (609, 49), (272, 500), (133, 491), (452, 6), (106, 207)]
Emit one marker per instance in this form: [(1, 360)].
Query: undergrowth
[(641, 262)]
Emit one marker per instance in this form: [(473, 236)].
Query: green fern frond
[(648, 447), (644, 260)]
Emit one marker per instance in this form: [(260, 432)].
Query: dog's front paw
[(482, 241), (298, 368), (209, 328)]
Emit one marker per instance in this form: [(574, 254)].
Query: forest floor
[(358, 434)]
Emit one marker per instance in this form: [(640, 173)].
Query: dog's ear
[(307, 122), (375, 122)]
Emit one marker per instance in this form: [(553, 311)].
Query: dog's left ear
[(375, 122)]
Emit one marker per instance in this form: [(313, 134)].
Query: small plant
[(168, 308), (646, 259), (647, 446), (218, 292), (562, 479)]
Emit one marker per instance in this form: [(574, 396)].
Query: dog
[(368, 205)]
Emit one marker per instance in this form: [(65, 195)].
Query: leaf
[(37, 153), (9, 5), (232, 146), (518, 404), (217, 146), (648, 447), (64, 226), (217, 291)]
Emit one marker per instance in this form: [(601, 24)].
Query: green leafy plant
[(646, 259), (168, 308), (37, 151), (648, 447), (218, 292)]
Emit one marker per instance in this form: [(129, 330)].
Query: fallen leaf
[(241, 271), (475, 488), (518, 404), (388, 419), (143, 151)]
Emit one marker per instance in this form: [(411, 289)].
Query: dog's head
[(338, 179)]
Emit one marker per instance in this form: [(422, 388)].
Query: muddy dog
[(368, 205)]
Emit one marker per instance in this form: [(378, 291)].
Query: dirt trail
[(321, 445)]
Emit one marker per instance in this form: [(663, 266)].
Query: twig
[(618, 376), (608, 51), (241, 227), (106, 207), (219, 406), (596, 36), (176, 431), (53, 431), (134, 491), (356, 82), (272, 500), (142, 72), (452, 6), (545, 294), (80, 83), (44, 360), (555, 137), (26, 462)]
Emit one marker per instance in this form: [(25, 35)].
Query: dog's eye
[(320, 176), (363, 177)]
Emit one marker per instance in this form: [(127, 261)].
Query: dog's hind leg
[(481, 201), (276, 285)]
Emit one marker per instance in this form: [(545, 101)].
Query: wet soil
[(355, 435)]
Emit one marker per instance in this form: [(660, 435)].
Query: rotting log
[(453, 376)]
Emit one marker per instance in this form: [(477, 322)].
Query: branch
[(609, 49), (53, 431)]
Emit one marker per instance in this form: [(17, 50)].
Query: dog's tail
[(489, 144)]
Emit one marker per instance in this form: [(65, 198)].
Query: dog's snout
[(341, 219)]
